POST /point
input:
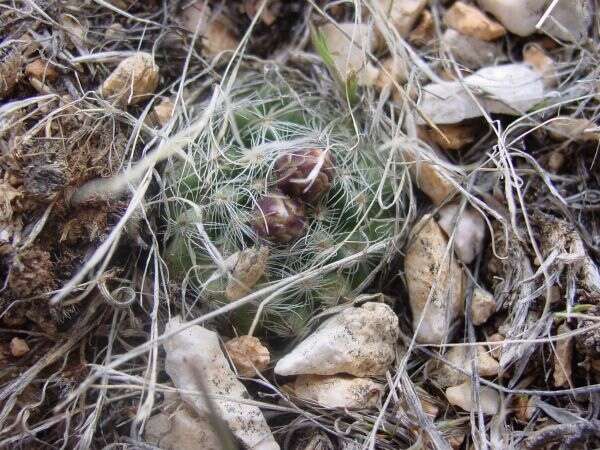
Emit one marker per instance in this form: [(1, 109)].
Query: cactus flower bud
[(306, 174), (279, 218)]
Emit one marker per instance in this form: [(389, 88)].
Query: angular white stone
[(428, 266), (445, 375), (195, 363), (521, 17), (357, 341), (470, 230), (349, 45), (506, 89), (461, 396), (403, 14), (470, 51), (180, 428), (338, 391)]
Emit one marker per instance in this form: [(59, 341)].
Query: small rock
[(431, 178), (349, 45), (42, 71), (471, 52), (450, 137), (162, 113), (470, 230), (521, 17), (428, 266), (524, 407), (359, 341), (483, 306), (134, 80), (115, 32), (402, 13), (556, 160), (461, 396), (250, 267), (470, 21), (178, 427), (505, 89), (397, 70), (18, 347), (195, 354), (424, 32), (445, 375), (537, 58), (563, 357), (570, 128), (495, 350), (248, 355), (216, 31), (337, 391)]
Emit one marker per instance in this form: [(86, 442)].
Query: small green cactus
[(279, 180)]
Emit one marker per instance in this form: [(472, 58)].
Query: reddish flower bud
[(295, 177), (279, 218)]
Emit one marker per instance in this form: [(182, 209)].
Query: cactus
[(279, 169)]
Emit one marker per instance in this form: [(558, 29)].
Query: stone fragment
[(471, 52), (248, 355), (483, 306), (178, 427), (196, 363), (510, 89), (359, 341), (133, 80), (469, 230), (424, 32), (402, 13), (41, 70), (563, 128), (537, 58), (568, 21), (461, 396), (349, 45), (470, 21), (435, 282), (337, 391), (445, 375), (18, 347)]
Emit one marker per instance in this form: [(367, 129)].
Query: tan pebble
[(396, 72), (133, 80), (524, 407), (562, 128), (403, 14), (427, 267), (537, 58), (451, 136), (471, 21), (483, 306), (163, 112), (41, 70), (555, 163), (495, 350), (337, 391), (18, 347), (247, 353), (461, 396), (424, 32)]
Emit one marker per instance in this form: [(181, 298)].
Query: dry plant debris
[(299, 224)]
